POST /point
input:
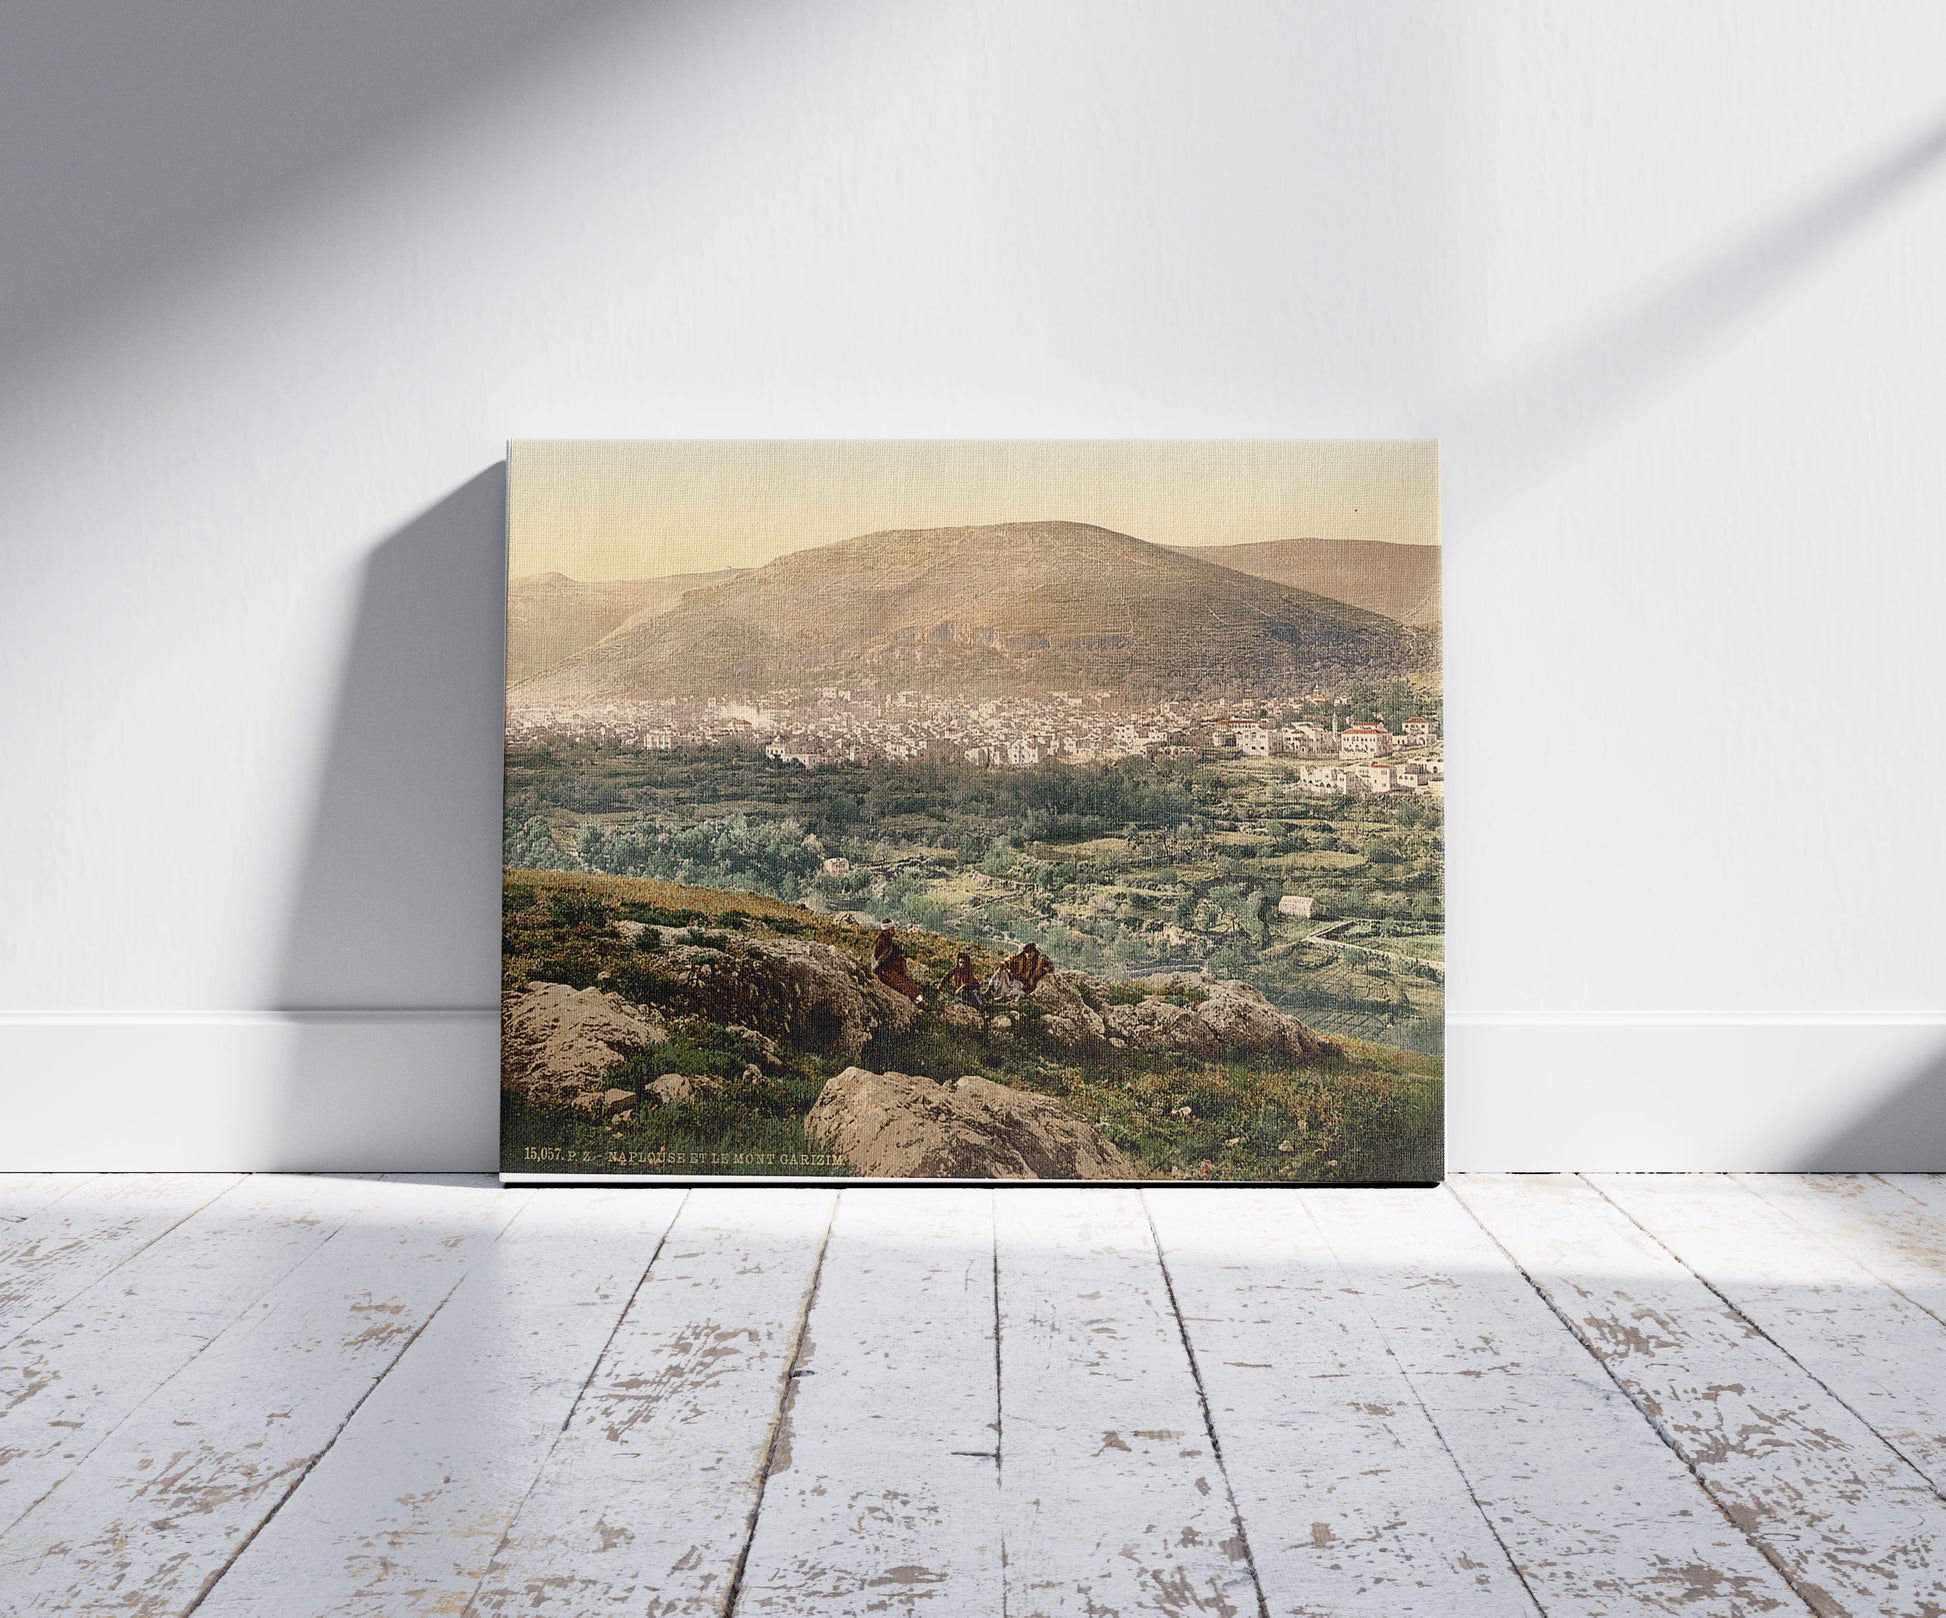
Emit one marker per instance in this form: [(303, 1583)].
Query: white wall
[(279, 282)]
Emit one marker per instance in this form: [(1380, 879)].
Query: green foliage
[(759, 856), (657, 916), (528, 845), (579, 909), (643, 982), (995, 859), (577, 966), (1000, 861)]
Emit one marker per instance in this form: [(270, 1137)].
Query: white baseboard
[(417, 1090), (250, 1090), (1758, 1092)]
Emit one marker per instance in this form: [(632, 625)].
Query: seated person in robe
[(963, 983), (1015, 977), (1038, 966), (891, 968)]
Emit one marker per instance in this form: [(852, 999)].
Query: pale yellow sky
[(642, 508)]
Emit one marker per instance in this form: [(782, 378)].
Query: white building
[(1330, 778), (1253, 740), (1365, 741), (1421, 732), (1292, 905)]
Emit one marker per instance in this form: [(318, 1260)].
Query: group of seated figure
[(1013, 979)]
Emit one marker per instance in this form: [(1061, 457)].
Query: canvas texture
[(984, 810)]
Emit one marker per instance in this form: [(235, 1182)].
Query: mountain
[(550, 616), (1400, 581), (1032, 605)]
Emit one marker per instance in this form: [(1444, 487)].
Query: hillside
[(1400, 581), (550, 616), (1040, 605), (649, 1024)]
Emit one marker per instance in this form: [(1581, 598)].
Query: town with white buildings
[(832, 725)]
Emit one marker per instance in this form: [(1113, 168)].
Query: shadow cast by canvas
[(390, 969)]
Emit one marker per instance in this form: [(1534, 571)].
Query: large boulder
[(809, 994), (900, 1127), (1162, 1025), (1067, 1003), (1243, 1020), (558, 1043), (1234, 1017)]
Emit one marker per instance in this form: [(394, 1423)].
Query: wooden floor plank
[(883, 1495), (403, 1514), (1929, 1189), (1876, 1351), (645, 1503), (23, 1194), (319, 1396), (1852, 1524), (155, 1513), (1599, 1516), (1350, 1500), (1113, 1499), (1894, 1224), (60, 1249), (77, 1374)]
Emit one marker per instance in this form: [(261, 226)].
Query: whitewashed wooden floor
[(1589, 1395)]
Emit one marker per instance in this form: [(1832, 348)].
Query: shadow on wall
[(1551, 409), (1905, 1133), (133, 139), (391, 964)]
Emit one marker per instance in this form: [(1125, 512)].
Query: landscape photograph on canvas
[(974, 810)]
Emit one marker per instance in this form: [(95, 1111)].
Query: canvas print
[(976, 810)]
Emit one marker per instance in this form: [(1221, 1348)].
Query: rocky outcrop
[(956, 1014), (557, 1043), (812, 995), (1163, 1025), (1072, 1012), (1243, 1020), (1234, 1017), (1068, 1005), (898, 1126)]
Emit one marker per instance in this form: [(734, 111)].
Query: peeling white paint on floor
[(1555, 1395)]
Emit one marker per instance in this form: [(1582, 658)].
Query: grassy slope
[(1375, 1115)]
